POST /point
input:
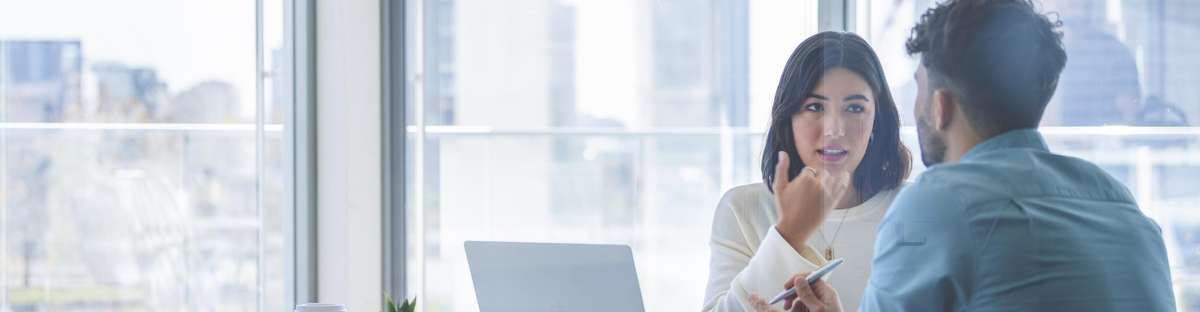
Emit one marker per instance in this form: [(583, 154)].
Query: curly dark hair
[(1000, 59)]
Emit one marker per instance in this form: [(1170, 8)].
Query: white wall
[(349, 183)]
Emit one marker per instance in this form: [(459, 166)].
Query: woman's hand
[(805, 201), (760, 305), (819, 297)]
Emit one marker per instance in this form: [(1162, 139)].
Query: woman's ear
[(942, 109)]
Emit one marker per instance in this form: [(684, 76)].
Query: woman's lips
[(832, 154)]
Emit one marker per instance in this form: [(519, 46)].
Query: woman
[(835, 135)]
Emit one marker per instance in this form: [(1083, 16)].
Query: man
[(998, 222)]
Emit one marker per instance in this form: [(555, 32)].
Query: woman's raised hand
[(805, 201)]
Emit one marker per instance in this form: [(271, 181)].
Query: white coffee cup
[(320, 307)]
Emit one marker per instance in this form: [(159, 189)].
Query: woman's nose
[(833, 127)]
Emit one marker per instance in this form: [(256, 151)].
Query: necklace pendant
[(828, 253)]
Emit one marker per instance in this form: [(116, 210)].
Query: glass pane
[(625, 64), (140, 170), (1130, 63), (589, 122), (656, 197)]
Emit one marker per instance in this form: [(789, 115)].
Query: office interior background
[(251, 155)]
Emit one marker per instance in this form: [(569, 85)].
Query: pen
[(812, 278)]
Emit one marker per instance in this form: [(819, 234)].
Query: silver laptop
[(553, 277)]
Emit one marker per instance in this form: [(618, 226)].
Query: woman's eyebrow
[(818, 96), (857, 97)]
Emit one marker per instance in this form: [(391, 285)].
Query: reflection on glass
[(1130, 62), (130, 157), (588, 189), (624, 121), (687, 71)]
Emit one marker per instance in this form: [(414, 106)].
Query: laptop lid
[(553, 277)]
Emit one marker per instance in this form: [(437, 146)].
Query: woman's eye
[(855, 108), (814, 107)]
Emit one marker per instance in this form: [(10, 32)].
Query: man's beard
[(933, 147)]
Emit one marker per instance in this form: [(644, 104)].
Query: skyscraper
[(41, 79)]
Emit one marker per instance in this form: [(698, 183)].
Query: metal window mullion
[(3, 175), (259, 140), (414, 57), (300, 29), (394, 149)]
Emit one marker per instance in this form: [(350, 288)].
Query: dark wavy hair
[(887, 161), (1001, 59)]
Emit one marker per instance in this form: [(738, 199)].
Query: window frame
[(395, 58), (299, 203), (301, 191)]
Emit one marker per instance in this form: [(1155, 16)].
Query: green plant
[(389, 305)]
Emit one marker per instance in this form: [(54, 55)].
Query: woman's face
[(833, 127)]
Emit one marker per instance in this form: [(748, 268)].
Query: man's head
[(987, 67)]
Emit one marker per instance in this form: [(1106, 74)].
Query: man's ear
[(942, 109)]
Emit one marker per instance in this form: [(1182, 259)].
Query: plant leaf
[(409, 305), (389, 305)]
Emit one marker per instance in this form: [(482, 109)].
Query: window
[(1126, 101), (142, 155), (588, 121), (624, 121)]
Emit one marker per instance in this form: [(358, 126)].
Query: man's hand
[(805, 201)]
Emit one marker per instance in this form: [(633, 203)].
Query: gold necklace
[(838, 230)]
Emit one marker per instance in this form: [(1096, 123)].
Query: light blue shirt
[(1013, 227)]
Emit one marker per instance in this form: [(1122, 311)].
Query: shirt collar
[(1020, 138)]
